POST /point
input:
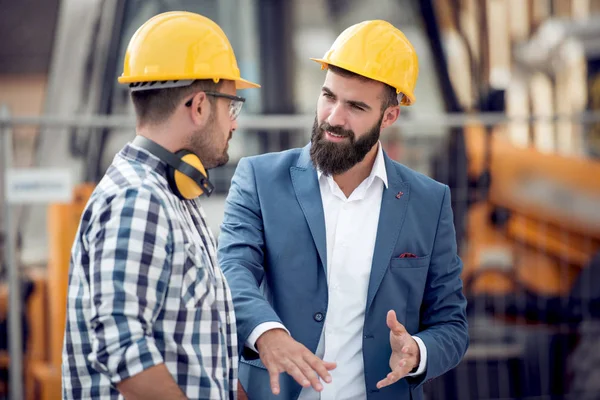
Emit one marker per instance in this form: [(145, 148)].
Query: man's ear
[(390, 115), (200, 109)]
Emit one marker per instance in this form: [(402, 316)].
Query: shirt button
[(319, 317)]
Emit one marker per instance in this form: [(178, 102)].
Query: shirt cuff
[(126, 362), (259, 330), (423, 351)]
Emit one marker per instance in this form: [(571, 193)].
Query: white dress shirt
[(351, 226)]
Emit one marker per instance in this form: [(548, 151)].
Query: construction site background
[(507, 114)]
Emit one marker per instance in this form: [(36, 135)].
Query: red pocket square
[(407, 255)]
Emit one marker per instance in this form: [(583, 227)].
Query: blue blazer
[(272, 250)]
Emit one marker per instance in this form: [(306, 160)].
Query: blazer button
[(318, 317)]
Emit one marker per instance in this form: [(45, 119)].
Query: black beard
[(336, 158)]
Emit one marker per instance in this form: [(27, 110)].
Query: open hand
[(279, 352), (405, 352)]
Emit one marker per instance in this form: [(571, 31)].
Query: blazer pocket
[(417, 262)]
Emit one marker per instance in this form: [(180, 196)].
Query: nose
[(336, 116), (234, 125)]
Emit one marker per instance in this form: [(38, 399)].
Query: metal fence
[(531, 281)]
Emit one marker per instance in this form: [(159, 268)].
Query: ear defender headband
[(185, 173)]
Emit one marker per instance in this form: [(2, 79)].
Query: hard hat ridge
[(377, 50)]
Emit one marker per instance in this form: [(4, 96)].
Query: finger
[(330, 365), (385, 382), (409, 353), (392, 323), (310, 374), (408, 364), (392, 378), (274, 377), (320, 367), (404, 367), (292, 369)]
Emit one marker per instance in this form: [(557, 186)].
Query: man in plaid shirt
[(149, 313)]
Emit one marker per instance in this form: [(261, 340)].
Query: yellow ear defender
[(185, 173)]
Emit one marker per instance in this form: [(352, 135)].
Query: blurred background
[(507, 114)]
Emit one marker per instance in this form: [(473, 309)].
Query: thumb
[(392, 322)]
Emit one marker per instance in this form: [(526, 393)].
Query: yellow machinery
[(46, 307), (548, 227), (534, 61), (63, 220)]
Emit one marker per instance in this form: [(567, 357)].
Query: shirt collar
[(378, 170), (142, 156)]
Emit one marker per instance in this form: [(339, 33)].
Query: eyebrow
[(350, 102)]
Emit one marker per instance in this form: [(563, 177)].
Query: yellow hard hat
[(379, 51), (179, 46)]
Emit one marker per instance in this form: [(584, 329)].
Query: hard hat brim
[(407, 100), (242, 83)]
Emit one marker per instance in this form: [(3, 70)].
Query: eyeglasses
[(235, 105)]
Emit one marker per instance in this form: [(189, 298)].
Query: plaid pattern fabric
[(145, 288)]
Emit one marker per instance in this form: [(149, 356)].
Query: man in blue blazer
[(342, 263)]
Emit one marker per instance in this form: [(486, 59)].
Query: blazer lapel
[(306, 186), (391, 217)]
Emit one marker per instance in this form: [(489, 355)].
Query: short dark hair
[(156, 106), (390, 97)]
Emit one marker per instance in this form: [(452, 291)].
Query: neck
[(164, 135), (349, 180)]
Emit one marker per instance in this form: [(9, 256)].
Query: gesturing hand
[(279, 352), (405, 352)]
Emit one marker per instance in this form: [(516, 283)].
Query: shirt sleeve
[(259, 330), (423, 358), (129, 248)]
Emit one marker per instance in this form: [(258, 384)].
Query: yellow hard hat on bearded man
[(179, 46), (379, 51)]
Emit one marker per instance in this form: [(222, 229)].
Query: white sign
[(38, 185)]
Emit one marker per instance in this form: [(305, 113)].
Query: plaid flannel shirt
[(145, 288)]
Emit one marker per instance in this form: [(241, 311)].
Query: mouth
[(334, 137)]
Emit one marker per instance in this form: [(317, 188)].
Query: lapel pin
[(400, 194)]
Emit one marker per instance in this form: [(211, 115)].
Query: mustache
[(338, 130)]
